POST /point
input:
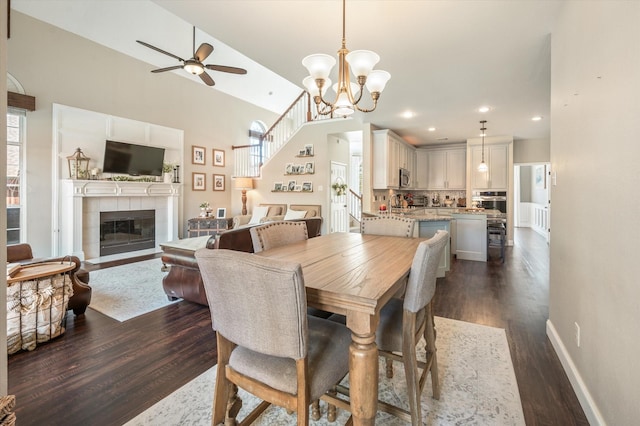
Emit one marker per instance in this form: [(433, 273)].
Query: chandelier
[(482, 167), (348, 94)]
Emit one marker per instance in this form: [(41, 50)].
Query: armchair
[(22, 253), (274, 212)]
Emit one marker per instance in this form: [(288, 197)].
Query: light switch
[(554, 181)]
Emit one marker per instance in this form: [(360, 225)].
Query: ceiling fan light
[(319, 65), (193, 67), (377, 80), (362, 61)]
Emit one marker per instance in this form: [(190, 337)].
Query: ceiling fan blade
[(175, 67), (203, 51), (160, 50), (224, 68), (207, 79)]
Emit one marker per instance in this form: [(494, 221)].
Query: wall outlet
[(577, 334)]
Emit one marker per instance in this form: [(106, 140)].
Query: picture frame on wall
[(221, 213), (198, 155), (539, 176), (308, 150), (307, 187), (291, 186), (198, 181), (277, 186), (218, 182), (218, 157)]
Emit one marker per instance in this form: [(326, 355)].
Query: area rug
[(127, 291), (478, 387)]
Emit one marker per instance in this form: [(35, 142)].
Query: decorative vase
[(168, 177)]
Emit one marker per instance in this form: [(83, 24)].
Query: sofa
[(184, 280), (22, 253)]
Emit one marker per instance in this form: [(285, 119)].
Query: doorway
[(532, 197), (339, 217)]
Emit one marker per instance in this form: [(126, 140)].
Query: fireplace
[(125, 231)]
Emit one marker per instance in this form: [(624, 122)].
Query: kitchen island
[(471, 235), (427, 224)]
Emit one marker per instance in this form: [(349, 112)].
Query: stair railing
[(355, 205), (248, 159)]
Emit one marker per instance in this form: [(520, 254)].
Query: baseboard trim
[(580, 388)]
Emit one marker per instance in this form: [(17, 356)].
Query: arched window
[(256, 131)]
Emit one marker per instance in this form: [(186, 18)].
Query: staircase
[(248, 159)]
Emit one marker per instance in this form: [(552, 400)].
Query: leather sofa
[(22, 253), (184, 280)]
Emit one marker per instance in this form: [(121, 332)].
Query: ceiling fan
[(194, 65)]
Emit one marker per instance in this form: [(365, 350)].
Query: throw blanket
[(35, 310)]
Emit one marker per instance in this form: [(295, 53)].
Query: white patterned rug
[(124, 292), (478, 387)]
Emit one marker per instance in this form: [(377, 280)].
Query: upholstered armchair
[(262, 213)]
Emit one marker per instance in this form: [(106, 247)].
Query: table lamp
[(244, 183)]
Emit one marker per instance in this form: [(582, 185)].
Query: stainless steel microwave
[(405, 178)]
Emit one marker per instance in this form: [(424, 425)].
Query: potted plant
[(167, 170), (205, 209)]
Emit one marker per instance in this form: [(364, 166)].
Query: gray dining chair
[(404, 321), (267, 345), (276, 234), (393, 226)]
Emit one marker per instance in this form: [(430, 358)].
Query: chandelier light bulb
[(482, 167), (377, 81), (362, 62), (319, 65)]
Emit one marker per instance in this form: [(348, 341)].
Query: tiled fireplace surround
[(82, 201)]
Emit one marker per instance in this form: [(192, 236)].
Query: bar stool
[(496, 236)]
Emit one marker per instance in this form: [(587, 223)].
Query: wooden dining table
[(354, 275)]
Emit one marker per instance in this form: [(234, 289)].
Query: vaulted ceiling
[(446, 58)]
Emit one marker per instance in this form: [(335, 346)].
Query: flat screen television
[(132, 159)]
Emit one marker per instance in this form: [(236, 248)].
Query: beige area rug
[(127, 291), (478, 387)]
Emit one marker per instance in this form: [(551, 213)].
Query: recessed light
[(484, 109), (408, 114), (536, 118), (431, 129)]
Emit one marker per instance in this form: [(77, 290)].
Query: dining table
[(354, 275)]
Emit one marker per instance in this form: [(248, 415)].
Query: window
[(256, 153), (15, 198)]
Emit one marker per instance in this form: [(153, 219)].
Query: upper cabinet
[(442, 168), (390, 153), (497, 159)]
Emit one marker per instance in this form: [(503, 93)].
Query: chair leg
[(234, 404), (331, 409), (315, 410), (409, 358), (389, 368), (430, 337)]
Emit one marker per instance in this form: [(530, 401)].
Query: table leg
[(363, 378)]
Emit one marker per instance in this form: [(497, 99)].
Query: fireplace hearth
[(125, 231)]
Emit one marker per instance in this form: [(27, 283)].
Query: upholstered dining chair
[(389, 225), (267, 344), (276, 234), (404, 322)]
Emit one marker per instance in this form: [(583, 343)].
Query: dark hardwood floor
[(103, 372)]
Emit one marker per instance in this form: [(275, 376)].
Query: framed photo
[(291, 186), (308, 150), (298, 188), (218, 157), (302, 153), (221, 213), (198, 155), (309, 168), (218, 182), (539, 176), (289, 169), (198, 181), (277, 186), (307, 187)]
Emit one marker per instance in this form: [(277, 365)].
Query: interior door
[(339, 213)]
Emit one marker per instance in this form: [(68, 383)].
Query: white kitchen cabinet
[(471, 236), (497, 159), (446, 168), (422, 178), (390, 153)]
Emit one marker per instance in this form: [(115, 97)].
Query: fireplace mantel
[(80, 199)]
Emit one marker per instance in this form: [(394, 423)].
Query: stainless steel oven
[(492, 200)]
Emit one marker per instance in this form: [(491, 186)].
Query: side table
[(201, 226)]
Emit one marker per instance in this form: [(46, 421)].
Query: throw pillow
[(258, 214), (295, 214)]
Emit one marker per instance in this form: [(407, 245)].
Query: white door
[(339, 217)]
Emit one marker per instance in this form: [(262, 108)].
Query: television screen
[(131, 159)]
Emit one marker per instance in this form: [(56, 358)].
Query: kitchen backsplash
[(420, 198)]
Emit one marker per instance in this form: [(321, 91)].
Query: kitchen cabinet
[(446, 168), (497, 159), (421, 180), (471, 236), (390, 153)]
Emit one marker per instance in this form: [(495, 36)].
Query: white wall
[(531, 150), (43, 58), (595, 87)]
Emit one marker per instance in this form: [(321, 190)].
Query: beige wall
[(531, 151), (594, 220), (56, 66)]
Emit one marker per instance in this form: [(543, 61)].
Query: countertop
[(426, 214), (417, 214)]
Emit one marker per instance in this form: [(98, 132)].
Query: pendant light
[(482, 167)]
